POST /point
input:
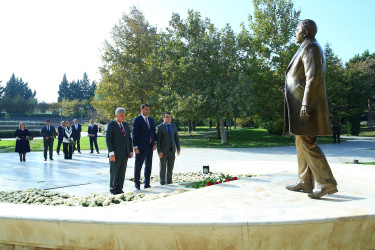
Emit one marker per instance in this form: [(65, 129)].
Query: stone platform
[(251, 213)]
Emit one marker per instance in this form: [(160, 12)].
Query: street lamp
[(61, 111)]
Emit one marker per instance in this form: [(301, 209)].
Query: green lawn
[(365, 131), (37, 145), (241, 138)]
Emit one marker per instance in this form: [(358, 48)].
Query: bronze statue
[(306, 112)]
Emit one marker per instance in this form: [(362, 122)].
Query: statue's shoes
[(323, 191), (300, 187)]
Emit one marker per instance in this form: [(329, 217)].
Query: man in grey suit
[(167, 143), (120, 148), (306, 112)]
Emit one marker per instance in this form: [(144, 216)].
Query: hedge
[(10, 133)]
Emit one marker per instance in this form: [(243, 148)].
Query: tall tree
[(64, 91), (18, 97), (129, 76), (266, 50)]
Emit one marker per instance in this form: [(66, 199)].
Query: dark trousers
[(166, 165), (68, 150), (336, 136), (312, 163), (59, 145), (117, 174), (48, 146), (144, 156), (94, 140), (77, 142)]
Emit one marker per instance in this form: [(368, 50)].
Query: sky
[(41, 40)]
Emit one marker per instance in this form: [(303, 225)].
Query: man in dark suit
[(93, 134), (60, 130), (306, 112), (336, 129), (143, 131), (48, 133), (76, 133), (168, 142), (120, 148)]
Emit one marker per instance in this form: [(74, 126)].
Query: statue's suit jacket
[(305, 85), (164, 139), (116, 142)]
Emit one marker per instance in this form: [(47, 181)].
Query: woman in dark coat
[(22, 141)]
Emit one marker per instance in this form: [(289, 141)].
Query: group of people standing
[(69, 136), (144, 140)]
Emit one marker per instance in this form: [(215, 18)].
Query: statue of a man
[(306, 112)]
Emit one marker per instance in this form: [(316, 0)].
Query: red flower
[(209, 184), (32, 138), (218, 182), (226, 179), (57, 134), (234, 178)]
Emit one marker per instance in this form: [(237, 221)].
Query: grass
[(241, 138), (368, 132), (7, 146), (363, 163)]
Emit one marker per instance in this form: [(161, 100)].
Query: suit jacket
[(305, 85), (60, 130), (141, 134), (165, 140), (93, 130), (76, 132), (45, 133), (116, 142)]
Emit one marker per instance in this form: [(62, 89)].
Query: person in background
[(22, 141), (93, 134), (67, 141), (168, 144), (336, 132), (60, 137), (76, 130), (48, 133)]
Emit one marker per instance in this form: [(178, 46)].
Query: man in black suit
[(48, 133), (76, 133), (168, 142), (143, 132), (60, 130), (93, 134), (120, 148)]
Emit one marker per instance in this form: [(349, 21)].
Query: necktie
[(122, 129), (148, 124), (48, 128), (169, 129)]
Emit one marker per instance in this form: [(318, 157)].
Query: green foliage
[(10, 133), (18, 97), (353, 125), (277, 127), (76, 90)]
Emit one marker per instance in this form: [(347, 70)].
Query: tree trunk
[(193, 125), (370, 123), (235, 123), (224, 136), (218, 129), (190, 127)]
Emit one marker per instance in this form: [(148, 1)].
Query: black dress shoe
[(300, 187), (147, 186), (91, 152), (97, 152), (45, 159), (51, 158), (138, 187), (113, 192), (119, 192)]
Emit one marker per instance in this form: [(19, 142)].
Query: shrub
[(277, 127), (10, 133)]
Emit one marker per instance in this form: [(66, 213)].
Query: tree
[(265, 52), (64, 91), (129, 75), (18, 97)]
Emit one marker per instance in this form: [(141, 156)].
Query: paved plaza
[(89, 173)]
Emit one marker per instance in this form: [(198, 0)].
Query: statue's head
[(306, 29)]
